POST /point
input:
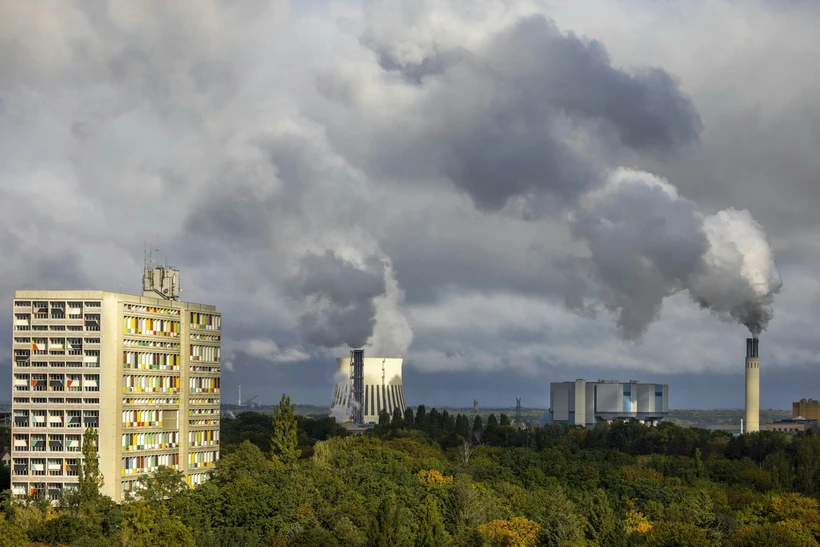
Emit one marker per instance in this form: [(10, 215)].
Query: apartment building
[(143, 370)]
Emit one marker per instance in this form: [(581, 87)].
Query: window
[(91, 382), (75, 418), (92, 401), (72, 443), (91, 418), (38, 467)]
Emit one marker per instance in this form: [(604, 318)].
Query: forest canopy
[(429, 478)]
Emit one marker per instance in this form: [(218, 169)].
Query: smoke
[(552, 119), (342, 393), (647, 243), (339, 299), (740, 278)]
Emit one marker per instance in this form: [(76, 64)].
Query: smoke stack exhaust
[(752, 385)]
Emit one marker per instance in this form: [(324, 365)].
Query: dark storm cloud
[(503, 117), (341, 293), (646, 108)]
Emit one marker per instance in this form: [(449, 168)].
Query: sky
[(503, 193)]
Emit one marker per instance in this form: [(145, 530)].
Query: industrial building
[(369, 386), (143, 370), (808, 409), (793, 425), (587, 403)]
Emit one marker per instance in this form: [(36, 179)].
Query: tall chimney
[(752, 386), (357, 373)]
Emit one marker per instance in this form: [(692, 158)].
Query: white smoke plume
[(646, 243), (343, 403)]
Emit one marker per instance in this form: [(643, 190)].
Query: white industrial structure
[(752, 386), (587, 403), (379, 387)]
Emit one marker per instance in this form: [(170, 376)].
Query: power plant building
[(370, 385), (587, 403), (142, 370), (808, 409)]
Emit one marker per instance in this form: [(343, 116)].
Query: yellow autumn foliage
[(518, 531), (433, 477)]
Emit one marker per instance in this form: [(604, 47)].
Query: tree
[(11, 535), (431, 526), (408, 417), (284, 440), (765, 535), (398, 418), (421, 417), (505, 420), (384, 527), (676, 534), (164, 483), (518, 532), (492, 422), (699, 469), (90, 479)]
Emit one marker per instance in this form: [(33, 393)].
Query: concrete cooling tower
[(365, 386)]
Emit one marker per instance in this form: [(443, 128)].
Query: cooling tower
[(382, 388), (752, 386)]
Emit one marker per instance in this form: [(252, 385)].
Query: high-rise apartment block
[(143, 370)]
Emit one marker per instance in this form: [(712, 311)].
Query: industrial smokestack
[(752, 385), (357, 373)]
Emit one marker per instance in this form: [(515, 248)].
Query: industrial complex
[(588, 403), (143, 370), (367, 386)]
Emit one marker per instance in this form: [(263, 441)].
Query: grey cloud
[(504, 121), (342, 309)]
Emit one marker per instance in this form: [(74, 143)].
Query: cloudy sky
[(505, 193)]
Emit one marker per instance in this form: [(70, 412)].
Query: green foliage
[(676, 534), (431, 531), (385, 525), (11, 535), (90, 478), (428, 478), (284, 440)]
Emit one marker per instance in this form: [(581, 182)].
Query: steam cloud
[(340, 299), (647, 243), (514, 148)]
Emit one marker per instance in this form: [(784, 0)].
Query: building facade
[(144, 371), (794, 425), (806, 408), (383, 388), (587, 403)]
